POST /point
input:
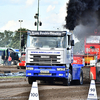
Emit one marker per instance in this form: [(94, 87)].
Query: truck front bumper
[(46, 71)]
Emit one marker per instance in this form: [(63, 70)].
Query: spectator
[(4, 60), (9, 60)]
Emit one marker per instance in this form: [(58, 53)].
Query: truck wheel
[(51, 82), (66, 82), (18, 67), (31, 80), (80, 81)]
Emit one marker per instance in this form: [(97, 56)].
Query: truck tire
[(18, 67), (66, 82), (31, 80), (80, 81), (51, 82)]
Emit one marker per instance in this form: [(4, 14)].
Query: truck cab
[(49, 55)]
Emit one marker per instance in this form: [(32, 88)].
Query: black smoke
[(83, 13)]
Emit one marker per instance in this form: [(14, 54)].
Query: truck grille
[(34, 58)]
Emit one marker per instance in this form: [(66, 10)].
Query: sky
[(52, 14)]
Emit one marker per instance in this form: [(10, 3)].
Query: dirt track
[(10, 68), (19, 89)]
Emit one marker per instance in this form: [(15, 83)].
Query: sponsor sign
[(47, 33), (87, 59), (92, 50), (44, 52)]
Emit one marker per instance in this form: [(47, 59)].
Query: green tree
[(5, 38), (1, 39), (16, 39)]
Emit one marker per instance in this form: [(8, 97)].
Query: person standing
[(9, 60), (4, 58)]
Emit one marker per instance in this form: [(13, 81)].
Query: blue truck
[(49, 57)]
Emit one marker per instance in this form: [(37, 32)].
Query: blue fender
[(76, 70)]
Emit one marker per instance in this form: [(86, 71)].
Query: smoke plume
[(83, 16)]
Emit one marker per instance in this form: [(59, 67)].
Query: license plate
[(42, 71), (44, 74)]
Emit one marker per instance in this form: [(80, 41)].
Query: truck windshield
[(46, 42)]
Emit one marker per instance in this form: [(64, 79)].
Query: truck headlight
[(60, 69), (29, 73), (60, 74), (29, 68)]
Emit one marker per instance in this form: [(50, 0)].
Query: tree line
[(12, 39)]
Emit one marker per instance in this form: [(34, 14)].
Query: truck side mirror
[(68, 48), (72, 42)]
